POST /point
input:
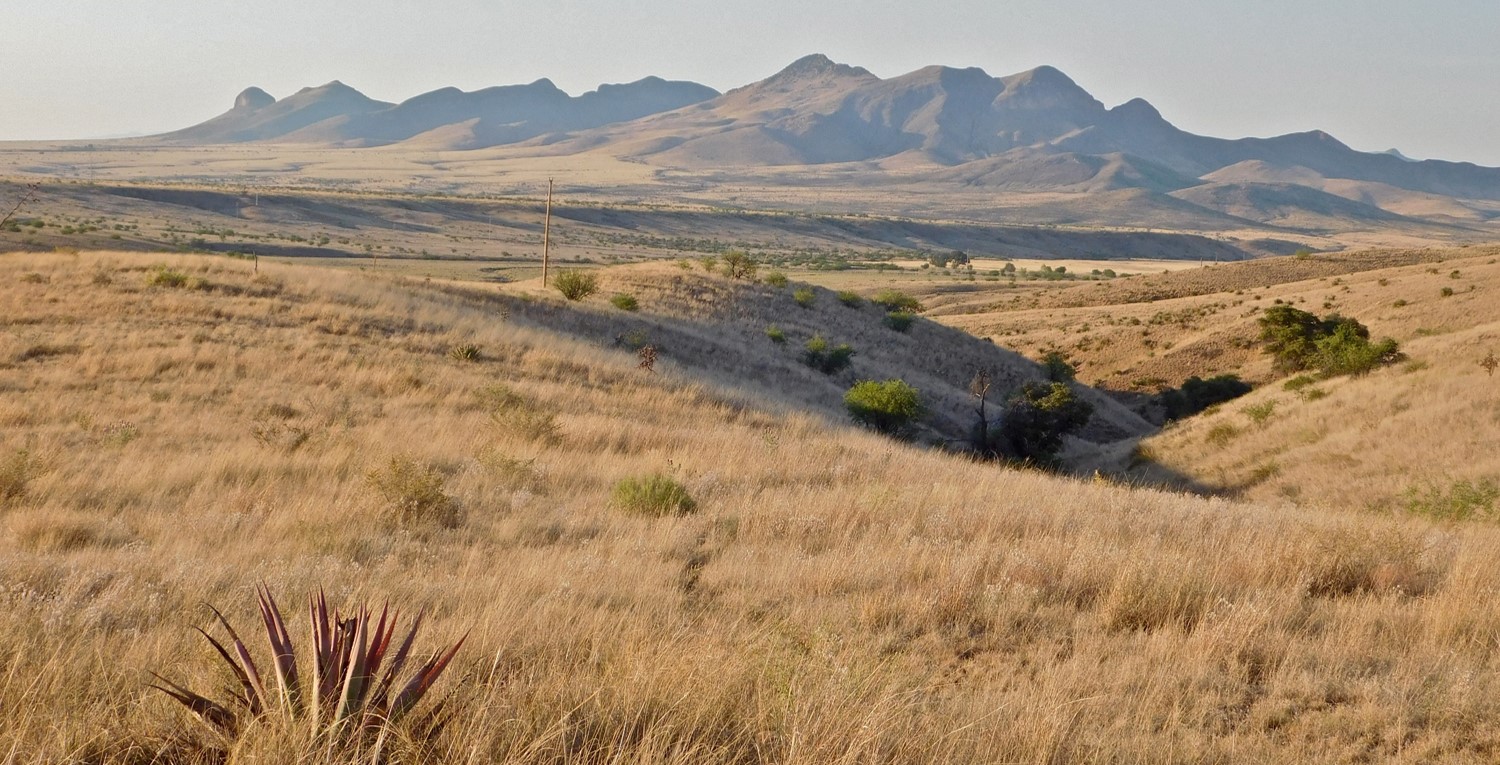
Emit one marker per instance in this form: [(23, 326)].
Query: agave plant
[(352, 691)]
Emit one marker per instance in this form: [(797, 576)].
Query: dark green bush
[(851, 299), (1037, 417), (900, 320), (776, 279), (1333, 345), (1058, 369), (889, 407), (777, 336), (820, 356), (625, 302), (805, 297), (653, 495)]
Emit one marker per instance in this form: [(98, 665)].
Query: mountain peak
[(1138, 109), (818, 65), (252, 98)]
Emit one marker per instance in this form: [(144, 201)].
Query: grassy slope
[(1373, 442), (1145, 331), (839, 597)]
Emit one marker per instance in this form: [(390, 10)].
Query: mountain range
[(1033, 131)]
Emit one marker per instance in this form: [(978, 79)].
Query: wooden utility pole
[(547, 234)]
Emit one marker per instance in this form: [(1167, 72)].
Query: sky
[(1422, 77)]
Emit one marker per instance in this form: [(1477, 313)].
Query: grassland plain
[(177, 429)]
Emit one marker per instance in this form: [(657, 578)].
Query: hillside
[(836, 596), (1150, 330)]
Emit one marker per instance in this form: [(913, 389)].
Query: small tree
[(738, 265), (889, 406), (979, 388), (1036, 419), (575, 284)]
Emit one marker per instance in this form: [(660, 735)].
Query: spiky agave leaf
[(284, 657), (379, 703), (255, 689), (206, 709), (352, 673), (425, 677)]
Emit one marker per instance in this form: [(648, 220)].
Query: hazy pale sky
[(1423, 77)]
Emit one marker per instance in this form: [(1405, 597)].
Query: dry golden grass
[(1142, 333), (837, 597)]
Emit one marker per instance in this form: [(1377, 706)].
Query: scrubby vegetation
[(625, 302), (653, 495), (889, 406), (1035, 420), (899, 320), (828, 359), (896, 300), (575, 284), (1334, 345)]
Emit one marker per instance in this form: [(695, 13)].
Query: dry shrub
[(514, 415), (1157, 594), (51, 535), (17, 470), (412, 492), (1353, 560)]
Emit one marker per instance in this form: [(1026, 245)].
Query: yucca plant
[(352, 696)]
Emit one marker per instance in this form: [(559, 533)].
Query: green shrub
[(738, 265), (575, 284), (1260, 413), (899, 320), (820, 356), (708, 262), (1461, 500), (625, 302), (653, 495), (776, 279), (1057, 368), (851, 299), (805, 297), (1037, 418), (894, 300), (1333, 345), (1447, 292), (413, 492), (1299, 382), (774, 332), (889, 407)]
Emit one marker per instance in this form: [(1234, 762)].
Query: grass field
[(176, 429)]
